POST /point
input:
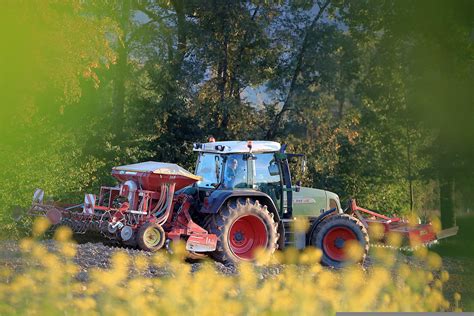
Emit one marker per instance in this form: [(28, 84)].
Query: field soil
[(92, 255)]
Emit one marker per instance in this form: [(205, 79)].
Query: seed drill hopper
[(137, 211)]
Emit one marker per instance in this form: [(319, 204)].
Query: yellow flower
[(394, 239), (444, 276), (40, 225), (141, 263), (63, 234), (434, 260), (354, 251), (311, 255), (457, 297), (300, 224), (159, 259), (68, 249), (302, 287), (376, 231), (26, 244)]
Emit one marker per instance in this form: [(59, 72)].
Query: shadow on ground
[(458, 252)]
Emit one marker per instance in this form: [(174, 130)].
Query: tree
[(430, 42), (54, 53)]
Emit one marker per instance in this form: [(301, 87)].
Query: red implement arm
[(412, 234)]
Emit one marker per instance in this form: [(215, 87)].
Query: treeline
[(377, 94)]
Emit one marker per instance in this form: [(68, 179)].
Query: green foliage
[(362, 88)]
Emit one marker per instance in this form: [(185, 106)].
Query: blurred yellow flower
[(457, 296), (68, 250), (40, 225), (141, 263), (300, 286), (394, 240), (63, 233), (434, 260), (354, 251), (300, 224), (376, 231)]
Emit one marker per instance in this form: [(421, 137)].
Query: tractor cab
[(261, 166), (237, 165)]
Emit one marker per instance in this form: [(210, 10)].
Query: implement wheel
[(334, 234), (242, 228), (151, 237)]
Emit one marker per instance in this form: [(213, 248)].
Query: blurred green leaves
[(380, 85)]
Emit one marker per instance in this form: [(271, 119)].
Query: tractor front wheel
[(151, 237), (242, 227), (334, 235)]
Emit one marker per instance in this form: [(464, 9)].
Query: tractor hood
[(313, 202)]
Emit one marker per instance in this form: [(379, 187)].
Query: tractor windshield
[(230, 169), (209, 168)]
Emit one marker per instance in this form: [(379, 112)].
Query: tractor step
[(292, 238)]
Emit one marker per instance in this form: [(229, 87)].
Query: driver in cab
[(230, 173)]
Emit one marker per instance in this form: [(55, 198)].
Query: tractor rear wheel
[(334, 234), (151, 237), (242, 227)]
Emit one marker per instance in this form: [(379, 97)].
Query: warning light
[(249, 145), (212, 139)]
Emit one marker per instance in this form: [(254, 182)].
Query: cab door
[(267, 178)]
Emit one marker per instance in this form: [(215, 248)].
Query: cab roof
[(231, 147)]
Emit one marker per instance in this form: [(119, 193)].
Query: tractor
[(241, 198)]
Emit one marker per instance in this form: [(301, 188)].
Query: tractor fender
[(319, 220), (219, 197)]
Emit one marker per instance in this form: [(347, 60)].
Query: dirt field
[(97, 255)]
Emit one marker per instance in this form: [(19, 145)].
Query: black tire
[(344, 225), (148, 244), (242, 212)]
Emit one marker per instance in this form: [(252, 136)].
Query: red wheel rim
[(335, 240), (54, 216), (246, 235)]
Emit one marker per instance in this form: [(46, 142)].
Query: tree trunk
[(176, 57), (223, 84), (178, 6), (446, 194), (409, 167), (121, 72), (274, 126)]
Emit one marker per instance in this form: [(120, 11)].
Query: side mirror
[(298, 186), (273, 169)]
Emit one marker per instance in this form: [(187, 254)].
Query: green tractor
[(248, 199), (241, 198)]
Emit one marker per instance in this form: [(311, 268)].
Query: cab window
[(266, 169), (235, 172), (208, 167), (267, 177)]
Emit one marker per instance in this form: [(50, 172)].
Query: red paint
[(415, 234), (246, 235), (152, 181), (183, 225), (335, 240)]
